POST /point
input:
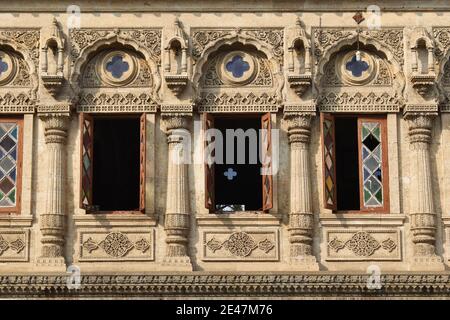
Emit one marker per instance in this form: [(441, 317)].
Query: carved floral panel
[(116, 246), (14, 245), (240, 245), (367, 245)]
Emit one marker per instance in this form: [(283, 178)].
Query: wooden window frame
[(267, 196), (382, 119), (19, 162), (142, 164)]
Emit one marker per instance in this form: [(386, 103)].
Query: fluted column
[(301, 216), (177, 221), (52, 221), (423, 217)]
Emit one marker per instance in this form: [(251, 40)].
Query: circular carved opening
[(8, 68), (356, 67), (117, 68), (237, 68)]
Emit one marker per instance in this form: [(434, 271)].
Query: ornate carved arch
[(26, 43), (86, 42), (394, 61), (243, 39)]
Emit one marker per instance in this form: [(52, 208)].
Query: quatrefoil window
[(117, 67), (3, 66), (357, 68), (237, 66)]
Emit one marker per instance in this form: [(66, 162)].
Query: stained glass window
[(356, 67), (117, 67), (3, 66), (87, 153), (9, 160), (372, 164), (237, 66)]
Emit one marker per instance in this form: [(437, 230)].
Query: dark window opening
[(238, 187), (347, 164), (116, 164)]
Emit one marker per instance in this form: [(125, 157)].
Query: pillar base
[(426, 263), (304, 263), (176, 264), (55, 264)]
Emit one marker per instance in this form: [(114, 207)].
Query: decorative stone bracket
[(423, 83), (176, 82), (300, 83)]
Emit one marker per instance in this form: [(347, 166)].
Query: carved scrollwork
[(240, 244), (116, 245), (362, 244), (371, 102), (116, 102)]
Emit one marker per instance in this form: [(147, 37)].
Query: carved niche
[(299, 66), (175, 59), (52, 69), (423, 76)]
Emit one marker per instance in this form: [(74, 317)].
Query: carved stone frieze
[(20, 103), (116, 246), (348, 245), (116, 102), (325, 38), (272, 37), (29, 38), (149, 38), (240, 245), (238, 102), (359, 102)]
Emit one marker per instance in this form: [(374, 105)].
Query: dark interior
[(246, 187), (347, 165), (116, 164)]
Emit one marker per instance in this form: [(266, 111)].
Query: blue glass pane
[(3, 66), (356, 67), (117, 66), (237, 66)]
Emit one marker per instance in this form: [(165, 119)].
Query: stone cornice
[(296, 285)]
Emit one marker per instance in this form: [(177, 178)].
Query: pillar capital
[(299, 126)]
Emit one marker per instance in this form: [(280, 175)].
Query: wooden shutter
[(86, 161), (143, 141), (373, 168), (208, 123), (267, 178), (329, 161)]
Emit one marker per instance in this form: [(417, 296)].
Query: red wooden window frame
[(16, 209), (87, 123)]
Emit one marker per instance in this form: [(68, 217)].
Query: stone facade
[(176, 49)]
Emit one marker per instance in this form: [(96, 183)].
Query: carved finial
[(178, 28), (298, 22)]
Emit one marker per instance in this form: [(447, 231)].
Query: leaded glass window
[(355, 171), (10, 164)]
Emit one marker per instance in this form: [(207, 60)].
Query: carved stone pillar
[(176, 222), (423, 217), (301, 216), (52, 221)]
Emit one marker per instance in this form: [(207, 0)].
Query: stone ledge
[(16, 221), (232, 285), (114, 220), (362, 219), (246, 218)]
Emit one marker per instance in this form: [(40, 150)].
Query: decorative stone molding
[(177, 216), (53, 219), (177, 108), (175, 70), (117, 102), (14, 245), (54, 42), (12, 103), (240, 245), (301, 216), (243, 285), (381, 102), (367, 245), (423, 216), (116, 246)]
